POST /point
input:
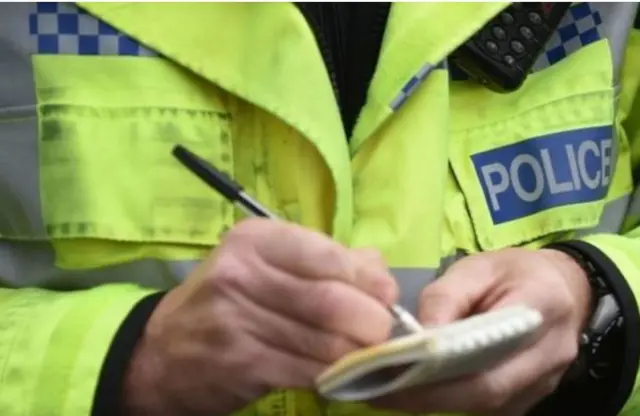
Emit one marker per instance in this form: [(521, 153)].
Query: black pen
[(235, 194)]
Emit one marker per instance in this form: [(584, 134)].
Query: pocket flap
[(541, 160)]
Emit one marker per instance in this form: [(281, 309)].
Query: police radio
[(503, 52)]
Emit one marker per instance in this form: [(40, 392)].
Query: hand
[(271, 308), (547, 280)]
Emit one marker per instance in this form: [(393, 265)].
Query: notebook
[(434, 354)]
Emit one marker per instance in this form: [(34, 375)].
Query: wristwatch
[(604, 327), (602, 377)]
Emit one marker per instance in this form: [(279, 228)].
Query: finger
[(372, 275), (456, 294), (275, 369), (528, 399), (485, 392), (310, 255), (300, 251), (332, 306), (292, 336), (490, 391), (289, 372)]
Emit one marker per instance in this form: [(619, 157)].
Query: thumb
[(457, 293)]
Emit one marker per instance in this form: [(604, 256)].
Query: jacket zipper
[(323, 45), (349, 38)]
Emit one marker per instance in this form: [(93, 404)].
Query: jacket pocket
[(103, 186), (107, 127)]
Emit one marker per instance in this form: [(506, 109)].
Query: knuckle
[(229, 273), (371, 256), (484, 265), (334, 261), (436, 297), (222, 322), (245, 230), (325, 302)]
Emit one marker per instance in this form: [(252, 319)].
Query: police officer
[(391, 167)]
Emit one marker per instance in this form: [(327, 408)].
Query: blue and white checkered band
[(579, 27), (63, 28)]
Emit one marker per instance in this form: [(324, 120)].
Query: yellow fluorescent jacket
[(92, 101)]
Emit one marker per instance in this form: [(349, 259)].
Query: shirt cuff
[(108, 397)]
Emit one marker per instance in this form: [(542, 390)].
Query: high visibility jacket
[(95, 214)]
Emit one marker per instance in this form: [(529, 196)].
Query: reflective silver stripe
[(16, 84), (611, 219), (414, 83), (617, 22), (634, 205), (21, 214), (25, 264), (412, 280)]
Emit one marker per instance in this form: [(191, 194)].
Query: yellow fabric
[(629, 108), (255, 99), (53, 344), (391, 203)]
